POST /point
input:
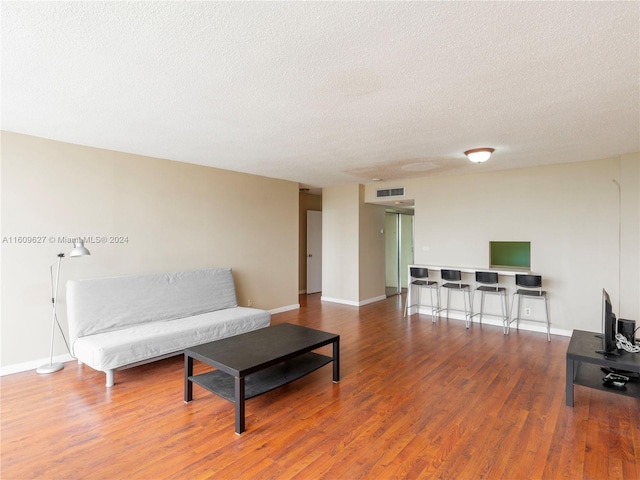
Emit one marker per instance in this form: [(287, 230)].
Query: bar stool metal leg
[(434, 306), (503, 304), (467, 314), (406, 300), (511, 319), (546, 312), (473, 296)]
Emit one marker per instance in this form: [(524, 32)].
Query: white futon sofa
[(124, 321)]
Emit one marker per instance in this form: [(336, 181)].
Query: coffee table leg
[(570, 377), (239, 402), (336, 361), (188, 384)]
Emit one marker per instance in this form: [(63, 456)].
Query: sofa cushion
[(100, 305), (117, 348)]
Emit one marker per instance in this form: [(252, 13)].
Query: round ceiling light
[(479, 155)]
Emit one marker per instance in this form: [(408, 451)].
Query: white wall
[(584, 236), (175, 216), (629, 176)]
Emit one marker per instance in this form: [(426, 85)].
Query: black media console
[(584, 366)]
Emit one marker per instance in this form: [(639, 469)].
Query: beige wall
[(175, 216), (584, 236), (352, 247), (371, 250), (308, 202), (340, 256), (585, 233)]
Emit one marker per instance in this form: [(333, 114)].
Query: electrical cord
[(64, 338), (623, 344)]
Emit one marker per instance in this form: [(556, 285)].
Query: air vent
[(390, 192)]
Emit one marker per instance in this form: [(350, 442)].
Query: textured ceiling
[(328, 93)]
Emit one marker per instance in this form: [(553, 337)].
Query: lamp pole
[(78, 250), (53, 367)]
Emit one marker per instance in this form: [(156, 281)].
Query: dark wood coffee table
[(256, 362)]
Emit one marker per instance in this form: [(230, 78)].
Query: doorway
[(314, 251), (398, 251)]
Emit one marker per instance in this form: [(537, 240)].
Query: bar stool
[(419, 278), (453, 283), (529, 286), (488, 283)]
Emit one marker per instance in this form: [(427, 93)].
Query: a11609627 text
[(41, 239), (25, 239)]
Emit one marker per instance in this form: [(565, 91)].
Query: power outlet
[(527, 312)]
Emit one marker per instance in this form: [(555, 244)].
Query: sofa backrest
[(103, 304)]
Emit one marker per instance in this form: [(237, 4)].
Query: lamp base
[(50, 368)]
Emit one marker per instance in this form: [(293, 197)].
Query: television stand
[(583, 366), (626, 373), (612, 353)]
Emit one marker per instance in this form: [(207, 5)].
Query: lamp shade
[(79, 250), (479, 155)]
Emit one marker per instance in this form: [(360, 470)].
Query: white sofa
[(125, 321)]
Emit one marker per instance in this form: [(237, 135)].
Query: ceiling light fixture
[(479, 155)]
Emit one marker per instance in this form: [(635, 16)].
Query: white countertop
[(500, 271)]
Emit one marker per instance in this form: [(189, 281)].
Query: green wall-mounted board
[(510, 254)]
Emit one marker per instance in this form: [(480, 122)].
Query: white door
[(314, 251)]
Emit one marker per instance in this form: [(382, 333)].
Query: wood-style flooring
[(416, 400)]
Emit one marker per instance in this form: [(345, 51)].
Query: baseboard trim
[(353, 303), (295, 306), (33, 364), (372, 300), (531, 327)]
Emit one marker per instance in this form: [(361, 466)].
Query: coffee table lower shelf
[(263, 381)]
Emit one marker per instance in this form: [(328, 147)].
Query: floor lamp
[(78, 250)]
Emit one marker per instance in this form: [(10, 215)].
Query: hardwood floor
[(416, 400)]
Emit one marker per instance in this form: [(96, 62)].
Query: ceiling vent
[(390, 192)]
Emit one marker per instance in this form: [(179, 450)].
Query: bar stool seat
[(453, 283), (530, 286), (419, 277), (488, 284)]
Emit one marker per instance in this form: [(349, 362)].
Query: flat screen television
[(512, 255), (608, 326)]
